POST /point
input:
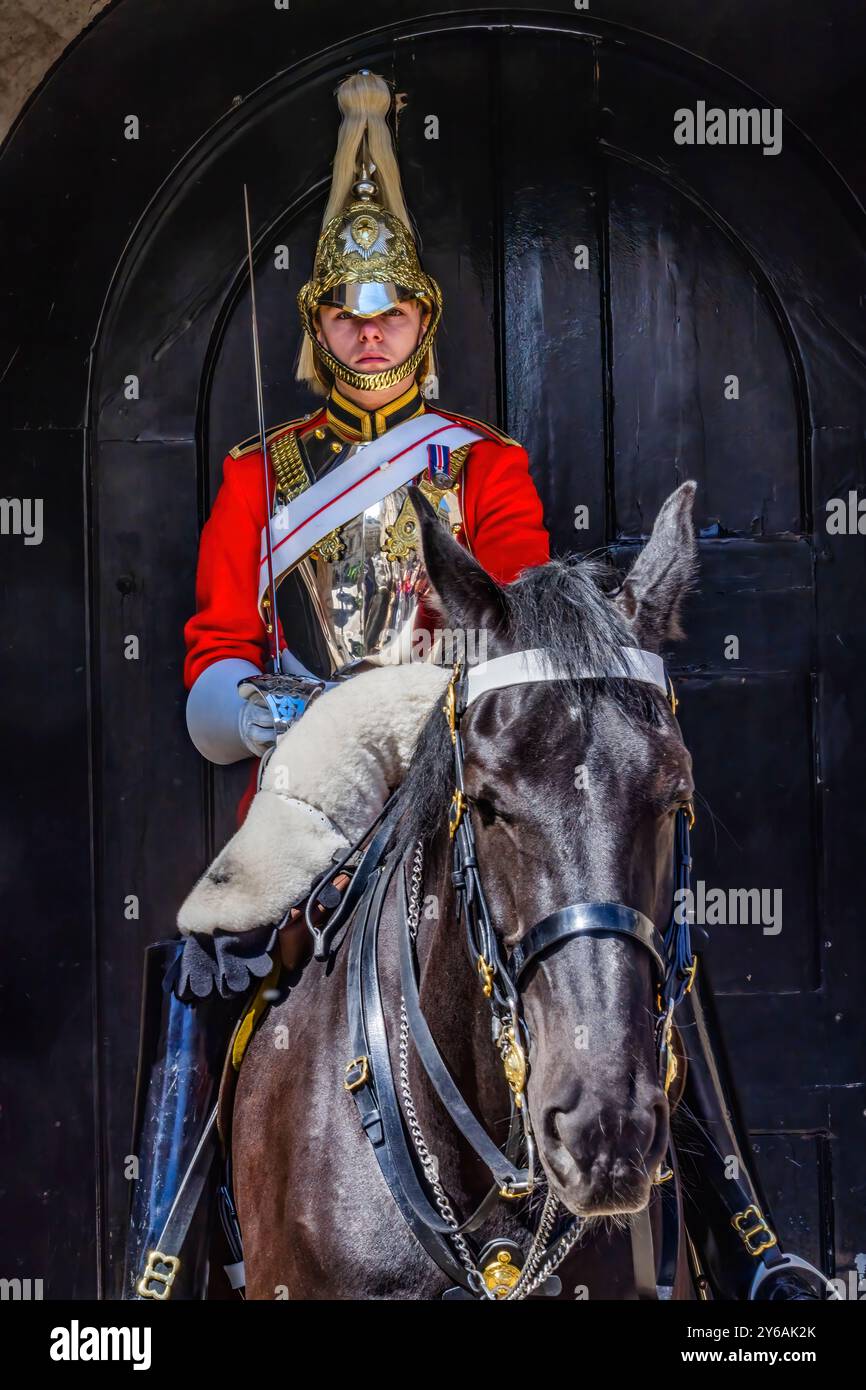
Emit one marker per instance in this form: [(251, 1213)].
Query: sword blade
[(260, 405)]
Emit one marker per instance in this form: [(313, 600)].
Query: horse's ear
[(654, 587), (463, 593)]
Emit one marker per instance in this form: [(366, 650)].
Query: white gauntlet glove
[(229, 715), (273, 704), (256, 725), (214, 709)]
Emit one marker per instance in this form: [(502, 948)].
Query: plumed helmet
[(366, 259)]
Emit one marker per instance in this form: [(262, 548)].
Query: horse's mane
[(564, 607)]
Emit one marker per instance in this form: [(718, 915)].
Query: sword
[(260, 403)]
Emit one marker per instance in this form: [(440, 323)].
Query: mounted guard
[(271, 633), (311, 573)]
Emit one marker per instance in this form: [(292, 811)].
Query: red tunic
[(503, 527)]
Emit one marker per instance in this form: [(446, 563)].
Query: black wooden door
[(603, 286)]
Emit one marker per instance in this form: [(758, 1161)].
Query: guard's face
[(373, 345)]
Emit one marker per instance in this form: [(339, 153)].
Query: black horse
[(573, 787)]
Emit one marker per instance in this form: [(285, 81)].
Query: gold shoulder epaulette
[(490, 430), (247, 446)]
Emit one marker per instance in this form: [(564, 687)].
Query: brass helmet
[(366, 259)]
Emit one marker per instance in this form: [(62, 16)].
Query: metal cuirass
[(354, 596)]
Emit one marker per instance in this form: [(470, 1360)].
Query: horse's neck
[(459, 1018)]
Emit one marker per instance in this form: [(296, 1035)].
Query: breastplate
[(355, 595)]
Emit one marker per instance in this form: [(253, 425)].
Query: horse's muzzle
[(601, 1160)]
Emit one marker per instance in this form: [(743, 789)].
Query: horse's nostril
[(567, 1128)]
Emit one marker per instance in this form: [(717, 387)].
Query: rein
[(369, 1076)]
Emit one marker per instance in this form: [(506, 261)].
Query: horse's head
[(573, 787)]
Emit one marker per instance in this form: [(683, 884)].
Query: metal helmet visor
[(366, 299)]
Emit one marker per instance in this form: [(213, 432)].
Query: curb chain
[(531, 1276)]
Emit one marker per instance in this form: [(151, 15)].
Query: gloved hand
[(256, 725), (229, 963), (222, 724), (223, 963)]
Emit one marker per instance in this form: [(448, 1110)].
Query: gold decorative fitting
[(671, 1064), (384, 253), (501, 1274), (401, 538), (336, 446), (320, 433), (152, 1275), (455, 812), (691, 971), (672, 697), (663, 1174), (671, 1069), (450, 705), (330, 548), (485, 970), (363, 1076), (757, 1236), (514, 1062), (689, 806)]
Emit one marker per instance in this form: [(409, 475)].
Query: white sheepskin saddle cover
[(323, 785)]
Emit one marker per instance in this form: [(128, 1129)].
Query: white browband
[(535, 665)]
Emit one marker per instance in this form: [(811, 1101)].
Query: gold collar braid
[(352, 421)]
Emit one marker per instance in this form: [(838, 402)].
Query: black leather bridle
[(369, 1076), (671, 952)]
